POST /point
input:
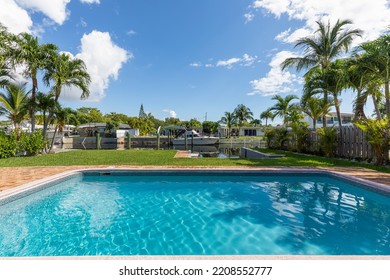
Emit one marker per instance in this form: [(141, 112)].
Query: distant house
[(223, 131), (90, 129), (331, 120)]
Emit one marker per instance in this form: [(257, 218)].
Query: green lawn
[(166, 158)]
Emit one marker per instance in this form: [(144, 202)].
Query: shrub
[(276, 137), (32, 143), (377, 134), (301, 133), (8, 145), (328, 140)]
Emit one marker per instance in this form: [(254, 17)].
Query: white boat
[(198, 139)]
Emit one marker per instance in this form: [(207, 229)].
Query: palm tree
[(324, 47), (228, 119), (34, 57), (14, 104), (283, 107), (376, 55), (242, 114), (44, 102), (315, 108), (64, 71), (267, 114)]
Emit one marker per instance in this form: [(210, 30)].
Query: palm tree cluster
[(241, 116), (58, 69)]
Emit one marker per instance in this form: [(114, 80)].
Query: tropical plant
[(328, 140), (229, 120), (14, 104), (283, 107), (301, 136), (315, 108), (267, 114), (64, 71), (242, 114), (34, 57), (319, 50), (377, 134)]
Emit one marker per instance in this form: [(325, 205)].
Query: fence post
[(128, 141)]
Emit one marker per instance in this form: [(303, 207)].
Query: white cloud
[(131, 33), (373, 17), (228, 63), (172, 113), (276, 81), (249, 17), (14, 18), (196, 64), (246, 60), (54, 9), (90, 1), (103, 59)]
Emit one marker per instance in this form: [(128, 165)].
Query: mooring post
[(185, 141), (98, 141), (192, 141), (128, 141)]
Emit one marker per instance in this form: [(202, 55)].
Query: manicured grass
[(166, 158)]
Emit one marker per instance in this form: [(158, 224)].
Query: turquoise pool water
[(197, 214)]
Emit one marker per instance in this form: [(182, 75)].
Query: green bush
[(302, 140), (276, 137), (32, 143), (8, 145), (328, 140)]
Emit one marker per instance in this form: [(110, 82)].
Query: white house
[(331, 120), (241, 131)]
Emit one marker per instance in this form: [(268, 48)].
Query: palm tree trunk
[(324, 115), (377, 111), (359, 107), (32, 105), (52, 139), (337, 106)]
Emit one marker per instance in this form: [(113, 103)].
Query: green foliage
[(328, 140), (32, 143), (8, 145), (301, 133), (210, 127), (377, 134), (145, 126), (276, 137)]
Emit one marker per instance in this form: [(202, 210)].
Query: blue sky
[(186, 58)]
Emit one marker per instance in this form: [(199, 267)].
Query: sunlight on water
[(197, 215)]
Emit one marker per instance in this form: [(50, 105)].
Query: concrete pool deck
[(11, 177)]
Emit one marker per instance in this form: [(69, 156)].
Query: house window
[(250, 132)]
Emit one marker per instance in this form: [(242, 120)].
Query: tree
[(282, 107), (34, 57), (319, 50), (315, 108), (14, 104), (229, 120), (210, 127), (64, 71), (142, 114), (267, 114), (242, 114)]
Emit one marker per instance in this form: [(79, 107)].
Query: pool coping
[(17, 192), (36, 184)]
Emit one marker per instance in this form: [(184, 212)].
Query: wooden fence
[(353, 145)]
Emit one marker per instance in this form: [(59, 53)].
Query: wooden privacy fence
[(353, 145)]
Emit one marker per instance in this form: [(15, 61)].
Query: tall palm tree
[(267, 114), (34, 57), (228, 119), (283, 107), (64, 71), (376, 56), (242, 114), (319, 50), (14, 104)]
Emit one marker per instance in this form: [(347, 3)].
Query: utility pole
[(205, 117)]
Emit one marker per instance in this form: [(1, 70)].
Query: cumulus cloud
[(276, 81), (373, 17), (103, 59), (14, 17), (53, 9), (171, 113), (15, 14)]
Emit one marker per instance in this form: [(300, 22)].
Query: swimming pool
[(196, 213)]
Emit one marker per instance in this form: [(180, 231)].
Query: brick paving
[(11, 177)]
